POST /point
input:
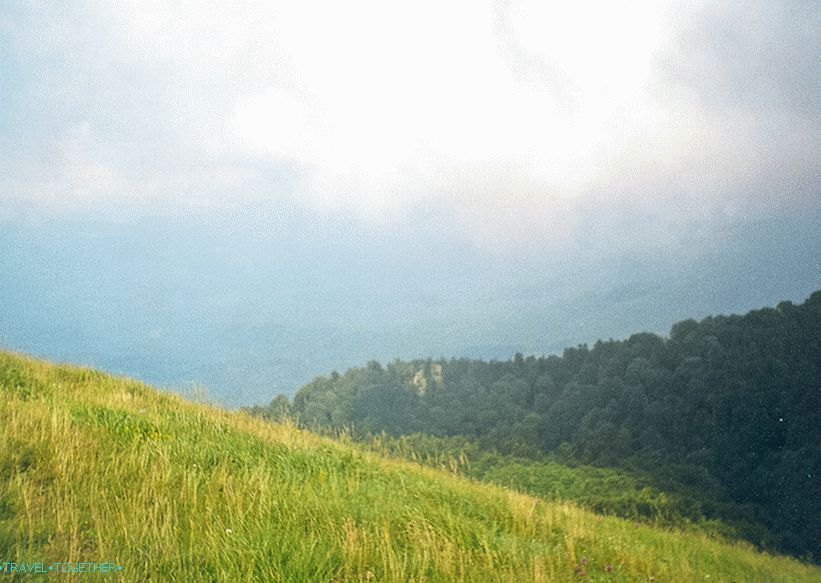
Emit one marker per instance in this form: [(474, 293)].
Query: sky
[(244, 195)]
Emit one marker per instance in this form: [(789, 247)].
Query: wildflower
[(579, 570), (228, 531)]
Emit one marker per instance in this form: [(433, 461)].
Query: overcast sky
[(595, 132), (516, 121)]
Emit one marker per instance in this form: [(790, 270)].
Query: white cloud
[(390, 108), (523, 118), (65, 174)]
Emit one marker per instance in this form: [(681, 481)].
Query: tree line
[(728, 400)]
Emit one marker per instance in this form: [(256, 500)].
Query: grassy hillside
[(99, 468), (630, 494), (731, 402)]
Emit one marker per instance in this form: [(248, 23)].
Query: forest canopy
[(737, 398)]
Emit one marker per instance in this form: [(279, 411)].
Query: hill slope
[(733, 399), (99, 468)]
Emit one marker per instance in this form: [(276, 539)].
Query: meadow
[(100, 468)]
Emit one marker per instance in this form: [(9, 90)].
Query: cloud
[(761, 58), (524, 122)]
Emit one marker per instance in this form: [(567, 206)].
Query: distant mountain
[(253, 309)]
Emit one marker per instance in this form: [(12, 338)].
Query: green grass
[(630, 494), (99, 468)]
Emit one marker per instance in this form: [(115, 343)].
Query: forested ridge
[(731, 400)]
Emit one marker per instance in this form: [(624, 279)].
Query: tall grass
[(99, 468), (630, 494)]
